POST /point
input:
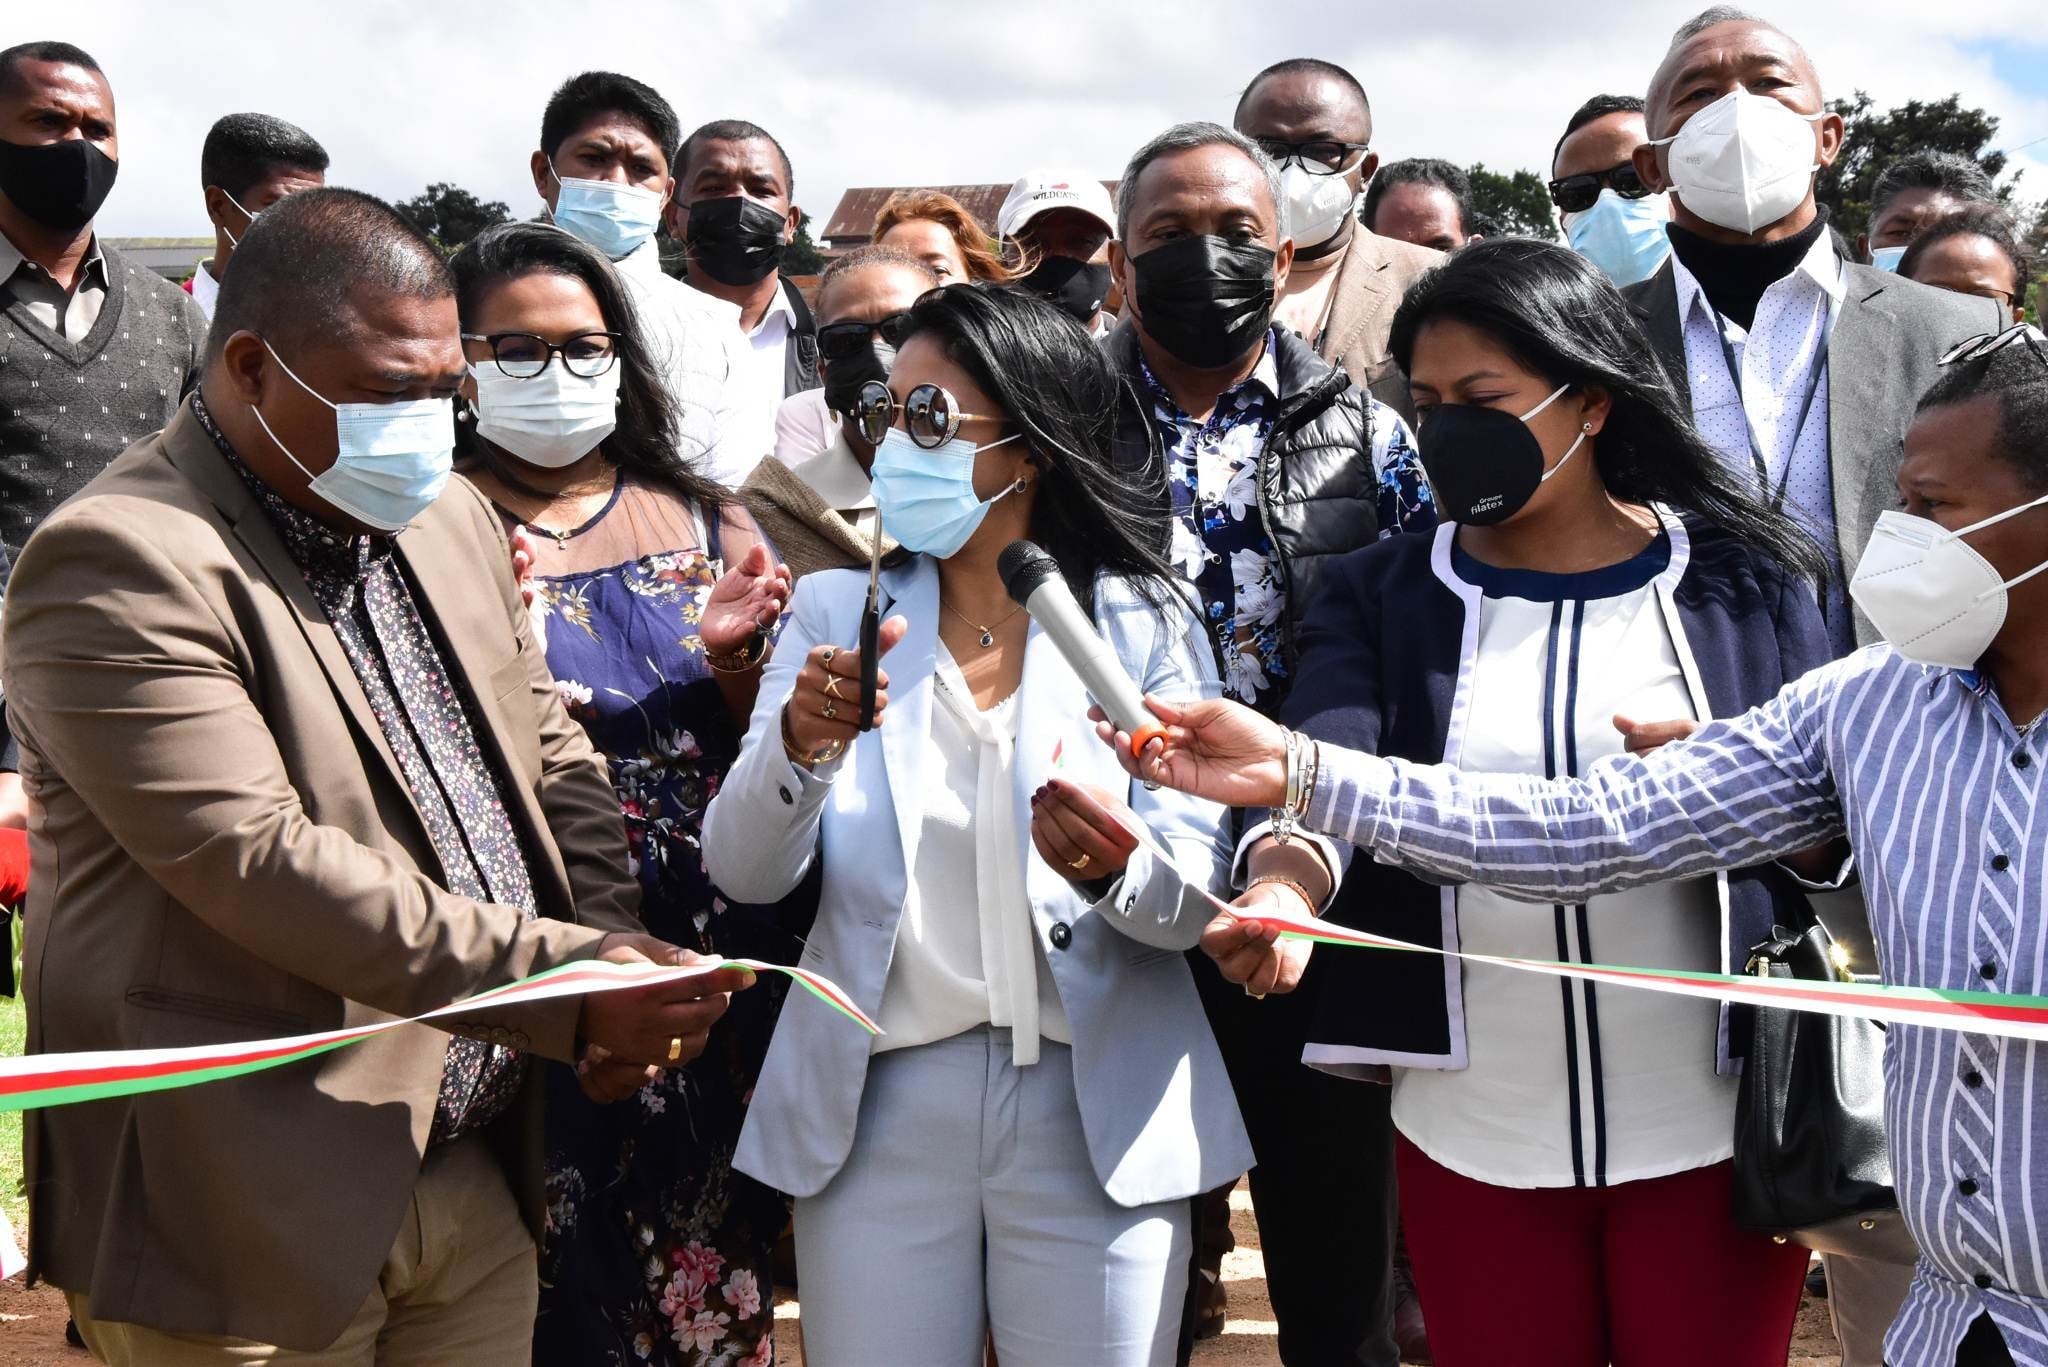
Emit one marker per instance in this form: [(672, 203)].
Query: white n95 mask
[(1929, 592), (1744, 161)]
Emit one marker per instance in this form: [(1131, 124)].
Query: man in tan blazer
[(292, 775), (1313, 118)]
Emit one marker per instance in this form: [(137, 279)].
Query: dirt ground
[(32, 1322)]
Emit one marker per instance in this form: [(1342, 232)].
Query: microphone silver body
[(1053, 607)]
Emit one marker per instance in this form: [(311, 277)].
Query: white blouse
[(965, 951), (1572, 1085)]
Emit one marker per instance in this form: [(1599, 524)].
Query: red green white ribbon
[(59, 1079)]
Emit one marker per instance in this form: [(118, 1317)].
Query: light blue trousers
[(968, 1204)]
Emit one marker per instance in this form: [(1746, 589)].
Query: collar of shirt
[(836, 476), (768, 332), (320, 551), (1266, 375), (205, 288), (1820, 266), (93, 268)]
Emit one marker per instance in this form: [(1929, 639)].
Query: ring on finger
[(829, 710), (825, 657), (1078, 864), (832, 686), (675, 1048), (1255, 996)]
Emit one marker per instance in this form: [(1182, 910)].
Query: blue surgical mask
[(1623, 237), (1887, 258), (611, 217), (391, 459), (926, 498)]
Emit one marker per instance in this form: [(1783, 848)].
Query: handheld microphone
[(1033, 580)]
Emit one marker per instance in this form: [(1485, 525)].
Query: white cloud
[(925, 91)]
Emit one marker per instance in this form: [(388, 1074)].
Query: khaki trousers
[(461, 1286)]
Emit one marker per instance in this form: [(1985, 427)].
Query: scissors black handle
[(870, 662)]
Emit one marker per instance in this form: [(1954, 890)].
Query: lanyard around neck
[(1815, 371)]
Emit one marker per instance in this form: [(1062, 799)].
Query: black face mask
[(845, 375), (1483, 464), (1078, 287), (1207, 300), (738, 241), (60, 185)]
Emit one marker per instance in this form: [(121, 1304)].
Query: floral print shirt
[(1220, 541), (428, 722)]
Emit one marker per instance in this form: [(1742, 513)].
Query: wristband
[(744, 660)]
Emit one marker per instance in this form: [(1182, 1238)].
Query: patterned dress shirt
[(430, 726), (1220, 541)]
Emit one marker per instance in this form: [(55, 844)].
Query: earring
[(1587, 426)]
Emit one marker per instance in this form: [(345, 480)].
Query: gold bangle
[(833, 750), (1284, 881), (744, 660)]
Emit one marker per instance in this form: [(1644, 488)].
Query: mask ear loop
[(262, 422)]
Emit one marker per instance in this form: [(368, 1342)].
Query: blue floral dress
[(656, 1250)]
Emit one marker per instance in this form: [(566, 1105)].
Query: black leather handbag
[(1810, 1160)]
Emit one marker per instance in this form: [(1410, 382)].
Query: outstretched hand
[(1214, 748), (747, 598)]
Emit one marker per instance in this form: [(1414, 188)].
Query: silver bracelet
[(1283, 815)]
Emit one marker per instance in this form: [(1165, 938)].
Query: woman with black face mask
[(1601, 581), (811, 497)]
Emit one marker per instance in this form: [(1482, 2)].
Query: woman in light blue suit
[(1013, 1155)]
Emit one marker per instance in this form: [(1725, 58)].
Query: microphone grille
[(1023, 567)]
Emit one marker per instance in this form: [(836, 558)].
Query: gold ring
[(829, 710), (832, 686), (1255, 996), (826, 657), (1080, 863), (675, 1049)]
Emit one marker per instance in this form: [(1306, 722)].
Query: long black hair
[(646, 441), (1560, 318), (1057, 387)]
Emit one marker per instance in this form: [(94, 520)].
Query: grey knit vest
[(69, 406)]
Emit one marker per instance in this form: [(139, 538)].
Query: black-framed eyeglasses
[(521, 355), (1318, 156), (931, 415), (838, 341), (1576, 194), (1990, 343)]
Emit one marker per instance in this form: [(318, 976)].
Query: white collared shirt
[(835, 476), (687, 329), (205, 289), (1776, 356), (755, 390), (72, 313)]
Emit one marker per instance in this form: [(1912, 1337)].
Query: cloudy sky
[(404, 92)]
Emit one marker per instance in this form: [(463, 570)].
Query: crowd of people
[(385, 624)]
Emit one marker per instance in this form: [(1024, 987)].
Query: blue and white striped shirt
[(1936, 789)]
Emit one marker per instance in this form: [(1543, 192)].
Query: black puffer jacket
[(1318, 495)]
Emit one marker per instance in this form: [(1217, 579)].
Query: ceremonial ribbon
[(58, 1079)]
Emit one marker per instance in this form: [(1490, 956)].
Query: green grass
[(13, 1035)]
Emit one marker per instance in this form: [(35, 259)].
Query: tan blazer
[(225, 850), (1375, 273)]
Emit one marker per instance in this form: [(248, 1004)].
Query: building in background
[(852, 222), (174, 258)]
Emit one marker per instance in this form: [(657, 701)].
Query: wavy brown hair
[(984, 262)]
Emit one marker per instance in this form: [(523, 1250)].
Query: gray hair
[(1186, 137)]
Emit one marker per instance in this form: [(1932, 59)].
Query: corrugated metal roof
[(854, 219), (171, 257)]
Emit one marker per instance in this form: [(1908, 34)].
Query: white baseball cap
[(1037, 191)]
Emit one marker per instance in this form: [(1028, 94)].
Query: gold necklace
[(988, 633)]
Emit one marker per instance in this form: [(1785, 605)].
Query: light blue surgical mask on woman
[(391, 459), (926, 498), (616, 219), (1623, 237)]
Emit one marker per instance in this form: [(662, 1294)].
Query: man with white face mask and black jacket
[(1269, 463), (1800, 366), (1312, 117)]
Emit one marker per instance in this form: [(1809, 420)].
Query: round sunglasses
[(931, 415)]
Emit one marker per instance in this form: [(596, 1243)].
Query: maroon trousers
[(1643, 1274)]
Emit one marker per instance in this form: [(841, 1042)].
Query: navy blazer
[(1384, 655)]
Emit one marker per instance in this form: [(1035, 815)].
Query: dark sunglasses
[(1576, 194), (1989, 343), (838, 341), (931, 415), (1321, 157)]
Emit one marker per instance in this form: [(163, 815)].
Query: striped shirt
[(1936, 789)]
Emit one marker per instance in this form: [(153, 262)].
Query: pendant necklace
[(988, 633)]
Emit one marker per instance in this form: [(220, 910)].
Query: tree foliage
[(452, 215), (1876, 140), (1511, 205)]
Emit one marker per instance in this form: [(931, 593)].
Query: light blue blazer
[(1160, 1119)]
